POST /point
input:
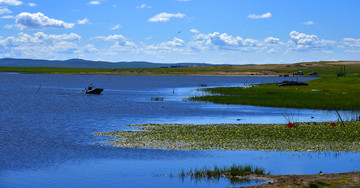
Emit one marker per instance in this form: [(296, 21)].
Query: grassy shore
[(270, 137), (324, 68), (243, 173), (330, 93)]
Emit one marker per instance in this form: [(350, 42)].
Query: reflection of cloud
[(38, 20), (165, 17)]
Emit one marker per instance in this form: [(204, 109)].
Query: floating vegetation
[(233, 173), (271, 137), (157, 99)]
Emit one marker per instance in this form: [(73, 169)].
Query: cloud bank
[(38, 20)]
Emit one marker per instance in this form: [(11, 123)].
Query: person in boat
[(90, 87)]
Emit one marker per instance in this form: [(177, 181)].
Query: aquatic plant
[(157, 98), (271, 137), (233, 173)]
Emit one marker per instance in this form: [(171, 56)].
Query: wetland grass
[(328, 93), (230, 172), (270, 137)]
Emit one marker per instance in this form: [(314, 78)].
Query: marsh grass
[(328, 93), (271, 137), (157, 98), (232, 173)]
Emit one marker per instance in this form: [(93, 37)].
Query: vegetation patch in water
[(271, 137), (232, 173)]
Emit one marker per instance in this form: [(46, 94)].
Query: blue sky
[(171, 31)]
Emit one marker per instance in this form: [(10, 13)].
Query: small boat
[(291, 83), (96, 91)]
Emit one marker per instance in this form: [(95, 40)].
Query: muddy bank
[(350, 179)]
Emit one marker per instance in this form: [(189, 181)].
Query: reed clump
[(217, 172)]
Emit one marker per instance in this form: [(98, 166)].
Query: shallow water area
[(48, 121)]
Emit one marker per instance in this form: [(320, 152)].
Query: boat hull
[(96, 91)]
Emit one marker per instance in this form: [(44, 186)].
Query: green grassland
[(271, 137), (331, 93), (324, 68)]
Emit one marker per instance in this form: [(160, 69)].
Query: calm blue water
[(47, 124)]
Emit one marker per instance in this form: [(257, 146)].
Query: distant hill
[(81, 63)]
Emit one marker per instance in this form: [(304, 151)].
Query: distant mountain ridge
[(81, 63)]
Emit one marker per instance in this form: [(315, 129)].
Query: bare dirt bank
[(350, 179)]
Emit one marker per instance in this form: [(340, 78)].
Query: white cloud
[(40, 44), (116, 27), (120, 41), (176, 42), (8, 26), (175, 45), (83, 21), (94, 3), (38, 20), (11, 2), (194, 31), (263, 16), (353, 43), (7, 17), (89, 48), (309, 23), (4, 11), (144, 6), (272, 40), (165, 17), (224, 42), (32, 4), (304, 42)]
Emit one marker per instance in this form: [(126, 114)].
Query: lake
[(47, 123)]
